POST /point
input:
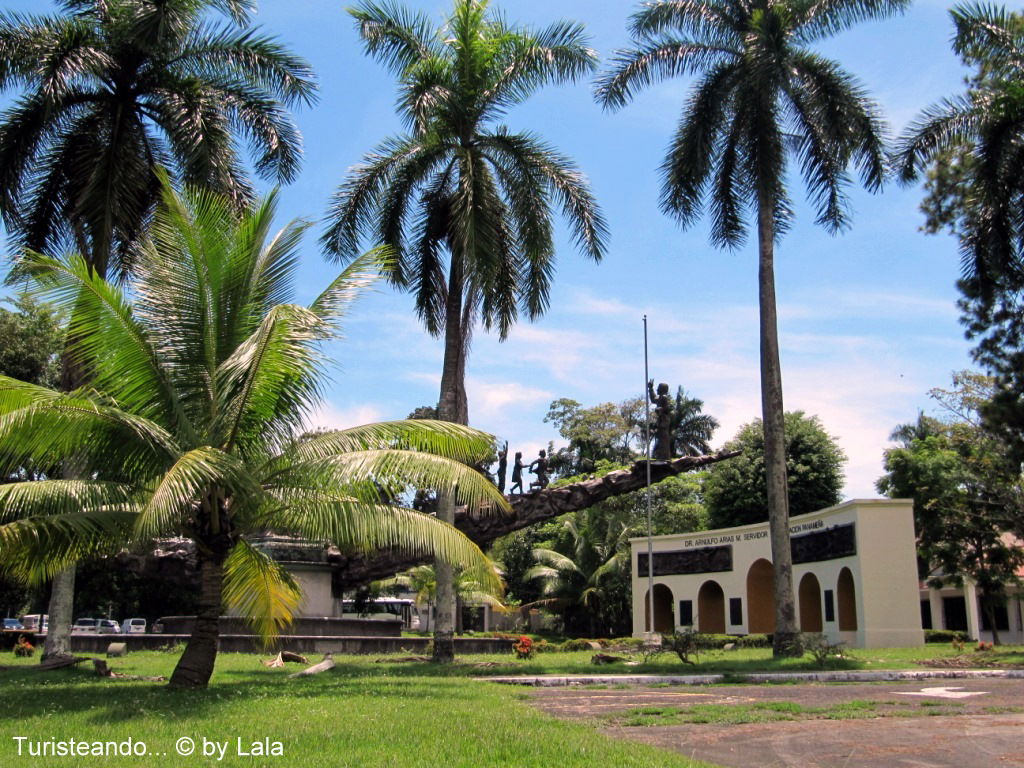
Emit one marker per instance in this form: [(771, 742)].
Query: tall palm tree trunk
[(452, 406), (195, 667), (787, 638), (62, 588)]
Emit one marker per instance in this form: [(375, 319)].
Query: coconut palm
[(466, 204), (763, 100), (691, 430), (111, 88), (199, 379), (469, 587)]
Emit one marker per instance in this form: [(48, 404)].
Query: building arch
[(846, 597), (663, 620), (810, 604), (711, 608), (760, 597)]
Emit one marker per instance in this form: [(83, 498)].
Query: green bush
[(576, 644), (754, 641), (944, 636)]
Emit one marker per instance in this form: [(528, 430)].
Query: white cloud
[(327, 416)]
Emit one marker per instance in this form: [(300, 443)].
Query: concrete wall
[(305, 644), (882, 573)]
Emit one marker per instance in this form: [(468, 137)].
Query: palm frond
[(260, 589)]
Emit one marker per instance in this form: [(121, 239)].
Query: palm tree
[(576, 584), (199, 378), (110, 89), (691, 430), (469, 587), (983, 128), (464, 203), (763, 100)]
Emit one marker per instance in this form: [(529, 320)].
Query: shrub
[(523, 647), (576, 644), (754, 641), (23, 647), (684, 644), (943, 636), (822, 651)]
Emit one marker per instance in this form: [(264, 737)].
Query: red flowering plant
[(23, 647), (523, 647)]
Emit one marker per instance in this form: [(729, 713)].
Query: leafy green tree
[(469, 588), (31, 338), (763, 99), (971, 147), (967, 495), (604, 432), (110, 89), (465, 204), (734, 491), (200, 377)]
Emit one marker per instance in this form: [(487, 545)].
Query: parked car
[(35, 622), (158, 626), (85, 626), (133, 626), (108, 627), (13, 624)]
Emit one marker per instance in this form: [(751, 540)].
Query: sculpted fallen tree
[(527, 509), (174, 561)]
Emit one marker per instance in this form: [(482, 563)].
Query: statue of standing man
[(539, 467), (662, 449)]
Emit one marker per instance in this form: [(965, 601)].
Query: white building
[(854, 573)]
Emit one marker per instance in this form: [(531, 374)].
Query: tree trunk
[(988, 606), (787, 637), (61, 608), (195, 667), (451, 406)]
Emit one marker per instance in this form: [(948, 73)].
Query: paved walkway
[(969, 722)]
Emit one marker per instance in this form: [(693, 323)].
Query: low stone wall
[(236, 643), (301, 626)]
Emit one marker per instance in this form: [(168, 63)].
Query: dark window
[(704, 560), (926, 614), (685, 613), (735, 610), (830, 605), (955, 611), (830, 544)]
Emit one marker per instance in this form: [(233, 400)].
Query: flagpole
[(647, 453)]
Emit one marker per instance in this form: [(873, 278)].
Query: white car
[(133, 627), (108, 627), (85, 627)]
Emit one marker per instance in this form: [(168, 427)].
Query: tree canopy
[(734, 491)]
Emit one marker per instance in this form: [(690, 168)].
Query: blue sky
[(868, 321)]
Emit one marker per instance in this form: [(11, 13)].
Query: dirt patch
[(855, 725)]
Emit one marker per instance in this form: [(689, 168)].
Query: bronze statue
[(502, 467), (662, 450), (541, 471), (517, 474)]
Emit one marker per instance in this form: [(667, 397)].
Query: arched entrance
[(810, 604), (846, 597), (760, 598), (711, 608), (662, 610)]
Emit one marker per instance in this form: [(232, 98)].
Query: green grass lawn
[(364, 713), (358, 714)]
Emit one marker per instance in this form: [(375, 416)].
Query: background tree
[(604, 432), (734, 491), (763, 99), (200, 378), (109, 90), (692, 430), (31, 337), (971, 148), (465, 204), (967, 496)]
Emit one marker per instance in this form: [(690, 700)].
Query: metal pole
[(647, 453)]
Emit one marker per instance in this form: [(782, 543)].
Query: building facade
[(854, 575)]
